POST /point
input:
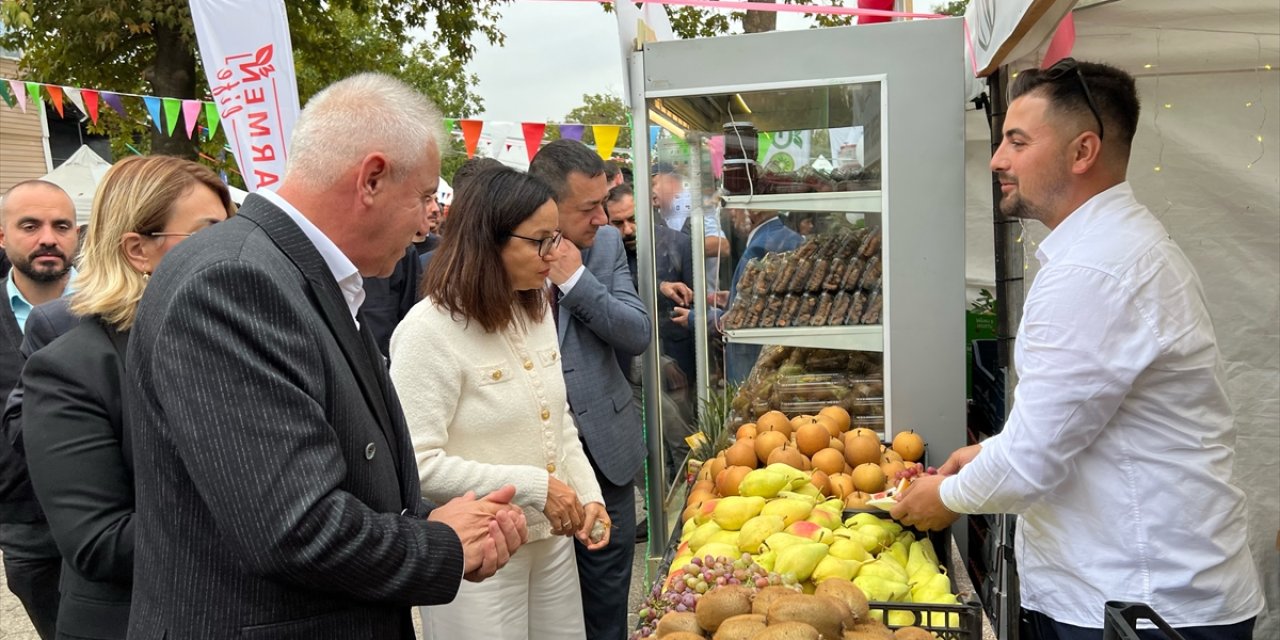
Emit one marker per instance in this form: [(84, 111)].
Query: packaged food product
[(875, 304), (790, 309), (808, 303), (870, 279), (871, 245), (772, 307), (801, 276), (819, 274), (823, 311), (839, 308), (856, 307)]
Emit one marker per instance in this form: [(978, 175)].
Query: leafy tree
[(149, 47), (953, 8), (598, 108)]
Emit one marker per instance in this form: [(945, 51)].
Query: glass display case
[(805, 243)]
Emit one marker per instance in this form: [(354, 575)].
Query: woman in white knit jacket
[(477, 367)]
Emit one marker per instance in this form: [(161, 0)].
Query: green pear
[(782, 540), (800, 560), (756, 530), (899, 550), (869, 541), (883, 539), (804, 497), (916, 559), (892, 560), (880, 589), (795, 477), (883, 569), (725, 537), (849, 550), (791, 510), (810, 530), (734, 511), (704, 512), (933, 588), (702, 535), (809, 489), (764, 483), (929, 553), (824, 518), (687, 528), (833, 567), (902, 618), (767, 560), (905, 538)]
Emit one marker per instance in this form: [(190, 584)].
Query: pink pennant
[(1064, 39), (19, 92), (190, 114)]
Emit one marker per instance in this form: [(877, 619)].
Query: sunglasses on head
[(1068, 66)]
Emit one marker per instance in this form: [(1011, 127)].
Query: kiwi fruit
[(767, 595), (678, 621), (912, 633), (788, 631), (847, 592), (722, 603), (824, 613), (740, 627)]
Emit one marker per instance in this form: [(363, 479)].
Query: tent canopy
[(79, 177)]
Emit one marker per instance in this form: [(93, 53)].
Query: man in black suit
[(277, 495), (38, 234)]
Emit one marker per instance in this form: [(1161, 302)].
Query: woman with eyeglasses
[(477, 367), (74, 432)]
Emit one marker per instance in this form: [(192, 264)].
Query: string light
[(1168, 105)]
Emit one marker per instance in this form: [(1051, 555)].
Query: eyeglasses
[(1062, 68), (546, 244), (170, 234)]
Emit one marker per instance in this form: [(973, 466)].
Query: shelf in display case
[(848, 201), (869, 337)]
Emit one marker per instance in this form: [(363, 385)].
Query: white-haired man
[(277, 494)]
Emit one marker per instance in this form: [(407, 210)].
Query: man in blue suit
[(768, 235), (598, 316)]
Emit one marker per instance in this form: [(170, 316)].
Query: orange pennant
[(55, 94), (471, 134)]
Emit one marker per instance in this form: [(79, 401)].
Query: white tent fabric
[(79, 177), (1211, 123)]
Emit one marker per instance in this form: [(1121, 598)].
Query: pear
[(800, 560), (881, 535), (795, 477), (782, 540), (795, 495), (901, 618), (702, 535), (884, 569), (765, 483), (848, 550), (811, 530), (824, 518), (734, 511), (687, 528), (809, 489), (916, 560), (833, 567), (767, 559), (725, 537), (792, 510), (756, 530), (880, 589), (927, 546), (704, 511), (933, 588), (899, 550), (869, 541)]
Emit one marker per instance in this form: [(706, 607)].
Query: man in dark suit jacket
[(39, 236), (277, 495), (599, 316), (768, 235)]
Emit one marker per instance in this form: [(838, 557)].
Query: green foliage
[(986, 303), (112, 45), (692, 22), (598, 108), (953, 8)]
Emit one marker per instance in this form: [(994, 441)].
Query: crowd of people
[(306, 416)]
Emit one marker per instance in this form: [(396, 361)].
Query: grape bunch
[(698, 577), (914, 471)]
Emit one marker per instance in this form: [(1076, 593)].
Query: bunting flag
[(33, 90), (211, 119), (55, 96), (766, 141), (606, 139), (571, 132), (533, 132), (153, 108), (448, 125), (20, 93), (113, 101), (73, 95), (7, 95), (471, 134), (90, 99), (715, 144), (499, 134), (191, 114), (172, 107)]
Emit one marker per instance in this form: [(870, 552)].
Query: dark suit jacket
[(387, 300), (601, 317), (272, 463), (17, 500), (82, 472)]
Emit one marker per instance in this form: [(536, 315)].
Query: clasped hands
[(570, 517), (490, 529)]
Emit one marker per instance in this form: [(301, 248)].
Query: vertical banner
[(248, 60)]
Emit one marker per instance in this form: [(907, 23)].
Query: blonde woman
[(73, 429)]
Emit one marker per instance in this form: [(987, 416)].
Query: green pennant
[(766, 141), (33, 90), (172, 108), (210, 119), (7, 95), (448, 125)]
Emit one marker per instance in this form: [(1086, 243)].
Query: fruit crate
[(935, 618)]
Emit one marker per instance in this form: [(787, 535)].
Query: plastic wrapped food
[(785, 275), (819, 274), (808, 303), (850, 242), (772, 264), (852, 273), (737, 315), (754, 311), (790, 309), (856, 306), (839, 308), (871, 245), (835, 276), (801, 277), (807, 249), (749, 275), (870, 279), (875, 304), (823, 311), (772, 308)]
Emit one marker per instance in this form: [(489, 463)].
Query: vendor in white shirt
[(1118, 452)]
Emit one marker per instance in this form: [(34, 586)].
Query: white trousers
[(535, 596)]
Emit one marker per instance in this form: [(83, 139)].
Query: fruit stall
[(823, 364)]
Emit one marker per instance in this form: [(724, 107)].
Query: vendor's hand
[(595, 512), (680, 316), (677, 292), (920, 505), (562, 510), (718, 299), (958, 459), (568, 259)]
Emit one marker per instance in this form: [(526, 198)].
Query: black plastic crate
[(988, 386), (930, 617)]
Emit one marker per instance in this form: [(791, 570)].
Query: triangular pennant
[(766, 141), (499, 133), (606, 139), (90, 98), (6, 94), (153, 108), (19, 93), (571, 131), (533, 132), (448, 125), (211, 119), (172, 107), (33, 90), (73, 94), (55, 96), (114, 102), (471, 134), (190, 114)]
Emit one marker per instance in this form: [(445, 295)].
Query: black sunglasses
[(1062, 68)]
